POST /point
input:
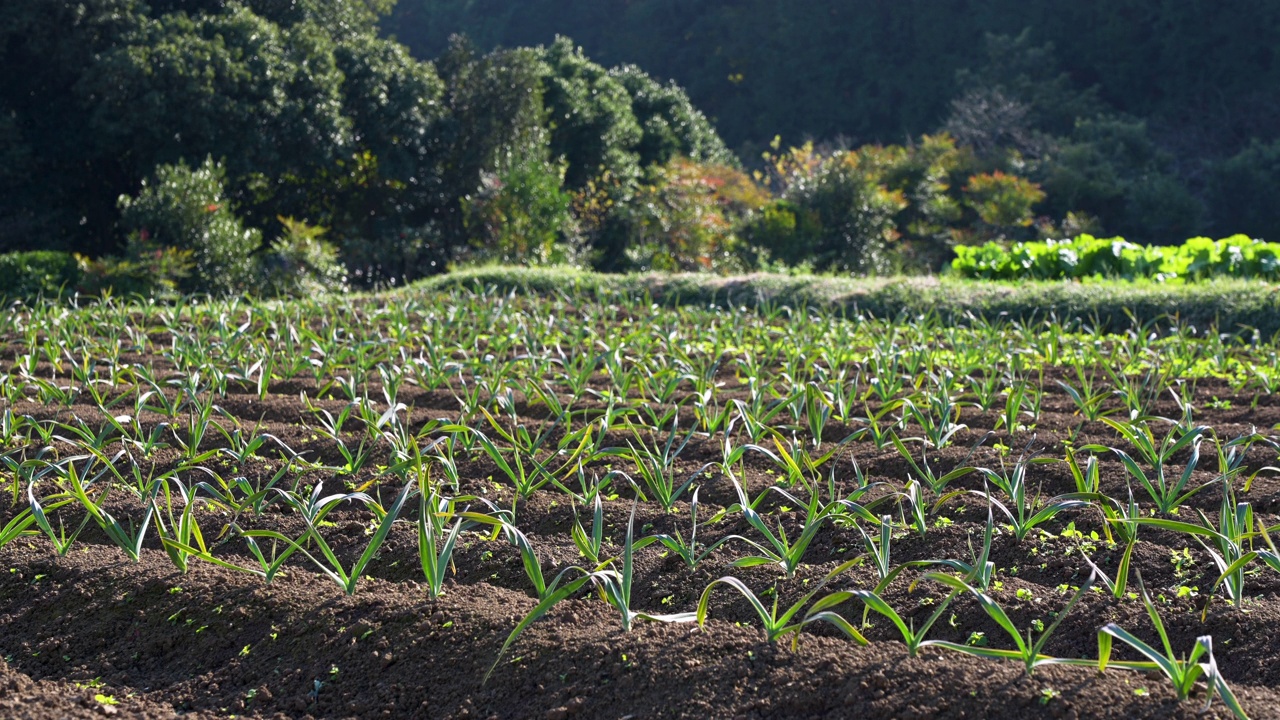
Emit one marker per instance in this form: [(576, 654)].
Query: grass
[(1230, 305)]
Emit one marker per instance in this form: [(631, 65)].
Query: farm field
[(468, 504)]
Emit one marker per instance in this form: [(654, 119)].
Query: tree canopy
[(186, 134)]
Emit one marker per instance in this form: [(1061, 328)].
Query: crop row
[(120, 426), (1087, 256)]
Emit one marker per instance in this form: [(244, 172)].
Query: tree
[(670, 125), (589, 114), (312, 114), (1243, 191), (493, 106)]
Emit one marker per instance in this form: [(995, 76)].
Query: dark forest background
[(1197, 80), (1204, 74), (230, 144)]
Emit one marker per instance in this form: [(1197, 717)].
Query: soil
[(93, 634)]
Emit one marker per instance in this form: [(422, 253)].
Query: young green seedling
[(1028, 650), (790, 620), (914, 639), (1168, 493), (1183, 672)]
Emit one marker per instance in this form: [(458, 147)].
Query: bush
[(187, 209), (145, 270), (590, 118), (520, 214), (771, 231), (688, 216), (1003, 202), (300, 263), (39, 273), (844, 215), (928, 173), (670, 125)]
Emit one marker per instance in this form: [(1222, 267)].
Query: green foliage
[(312, 114), (231, 84), (1030, 75), (1111, 168), (186, 208), (38, 273), (1019, 112), (907, 204), (146, 269), (1002, 201), (541, 154), (494, 106), (619, 132), (844, 216), (300, 263), (1161, 208), (1088, 169), (589, 114), (670, 125), (927, 173), (877, 72), (520, 215), (380, 202), (1243, 190), (687, 217), (1086, 256), (771, 230)]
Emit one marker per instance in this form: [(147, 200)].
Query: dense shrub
[(1086, 256), (540, 154), (589, 114), (878, 208), (670, 125), (145, 270), (38, 273), (300, 263), (187, 209), (687, 216), (843, 214), (927, 173), (520, 214), (1002, 201), (289, 95)]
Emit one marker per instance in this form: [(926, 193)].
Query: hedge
[(30, 275), (1227, 305)]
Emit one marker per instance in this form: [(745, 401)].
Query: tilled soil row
[(92, 634), (212, 642)]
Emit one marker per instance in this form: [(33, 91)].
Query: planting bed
[(881, 445)]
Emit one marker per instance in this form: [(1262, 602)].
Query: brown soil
[(79, 629)]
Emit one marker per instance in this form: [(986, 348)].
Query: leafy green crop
[(1199, 258)]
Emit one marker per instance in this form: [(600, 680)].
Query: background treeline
[(290, 146), (1142, 113)]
